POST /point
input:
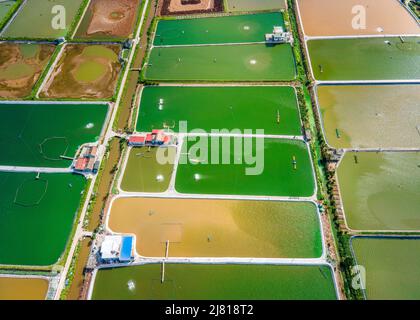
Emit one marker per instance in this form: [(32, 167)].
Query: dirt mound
[(176, 7)]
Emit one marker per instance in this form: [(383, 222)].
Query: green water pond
[(213, 30), (227, 62), (37, 135), (36, 216), (235, 282), (35, 19), (273, 109), (365, 58), (381, 190), (280, 167), (143, 172), (391, 266)]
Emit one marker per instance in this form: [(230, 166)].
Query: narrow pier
[(66, 157), (162, 279)]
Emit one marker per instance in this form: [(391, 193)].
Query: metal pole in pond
[(162, 279)]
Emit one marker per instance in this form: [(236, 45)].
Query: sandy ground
[(112, 17)]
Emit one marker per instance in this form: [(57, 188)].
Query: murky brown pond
[(77, 283), (219, 228), (85, 71), (106, 179), (21, 66), (379, 116), (23, 288), (335, 17), (109, 18)]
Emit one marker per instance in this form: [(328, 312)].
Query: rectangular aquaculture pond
[(5, 8), (109, 19), (226, 62), (255, 5), (47, 135), (336, 18), (43, 19), (214, 282), (143, 171), (219, 228), (245, 166), (391, 266), (37, 212), (227, 29), (21, 65), (23, 288), (380, 116), (88, 71), (271, 108), (365, 58), (381, 190)]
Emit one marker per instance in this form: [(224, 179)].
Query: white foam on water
[(253, 61), (131, 285), (89, 125)]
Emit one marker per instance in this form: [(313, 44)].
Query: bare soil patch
[(176, 7), (110, 18)]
